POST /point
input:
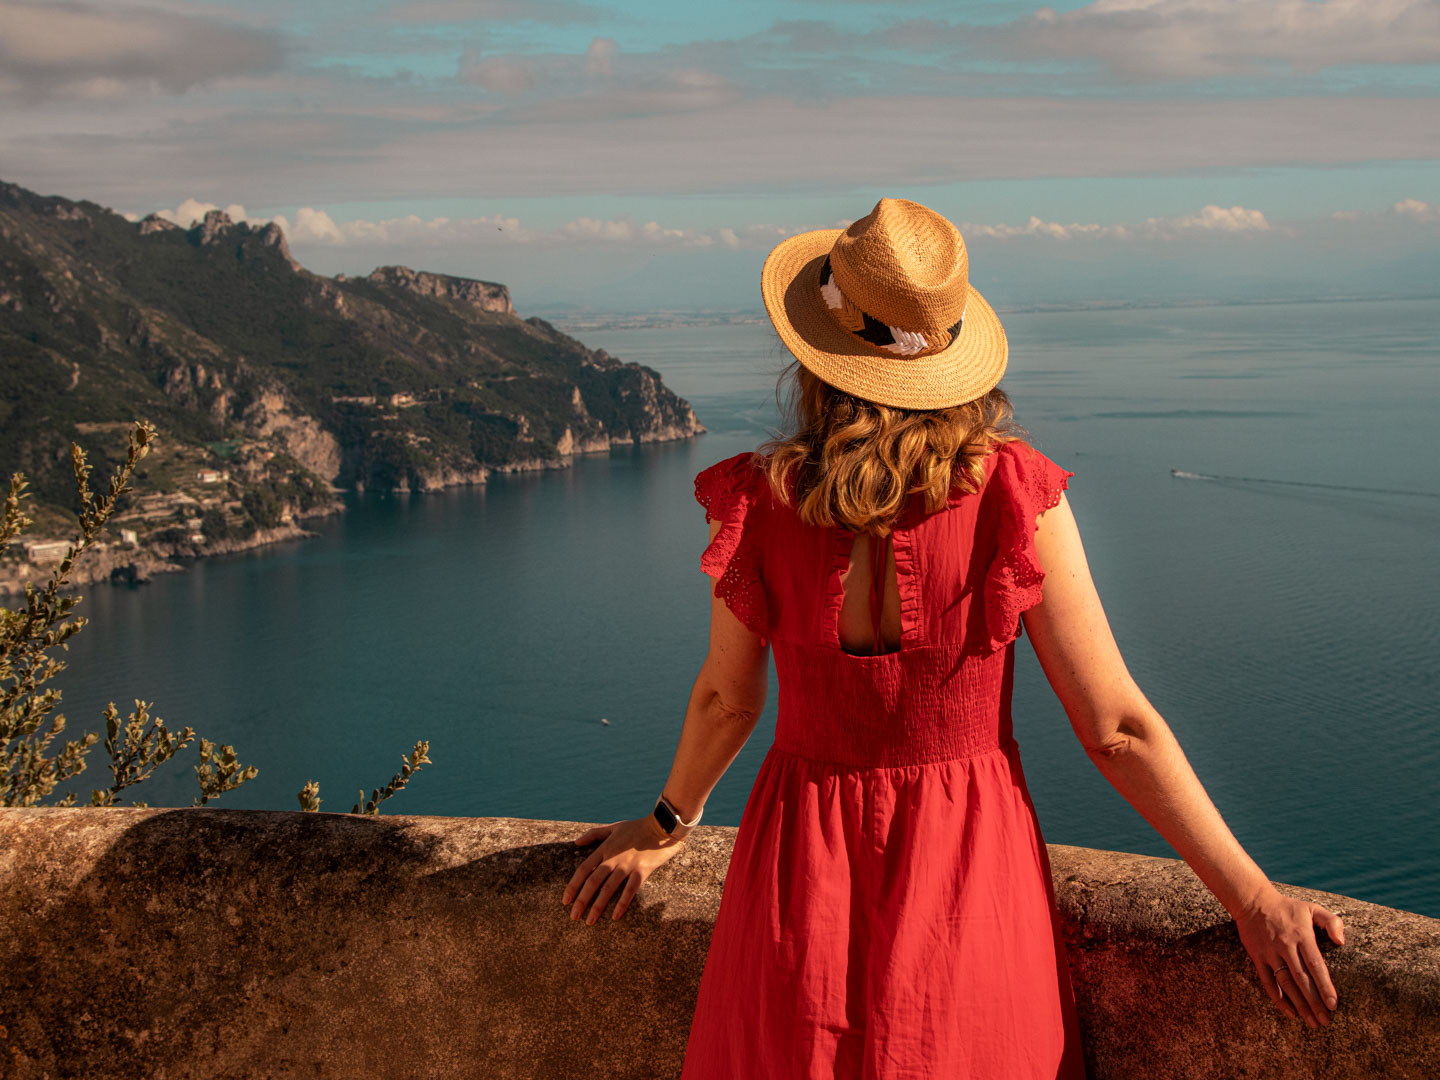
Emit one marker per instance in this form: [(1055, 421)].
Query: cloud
[(1406, 209), (502, 74), (313, 226), (1037, 227), (710, 138), (555, 12), (1209, 219), (1417, 210), (599, 56), (546, 88), (591, 229), (1234, 219), (623, 139), (680, 90), (64, 49), (1178, 39)]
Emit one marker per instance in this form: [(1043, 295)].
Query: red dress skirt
[(888, 912)]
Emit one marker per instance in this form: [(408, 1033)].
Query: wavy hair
[(855, 463)]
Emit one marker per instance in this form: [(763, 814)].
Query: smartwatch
[(671, 822)]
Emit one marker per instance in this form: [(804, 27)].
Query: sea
[(1257, 491)]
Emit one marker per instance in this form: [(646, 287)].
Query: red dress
[(888, 911)]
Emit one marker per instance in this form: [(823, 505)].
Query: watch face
[(666, 817)]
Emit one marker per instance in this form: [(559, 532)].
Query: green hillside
[(270, 384)]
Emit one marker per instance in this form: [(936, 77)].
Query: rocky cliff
[(485, 295), (282, 379)]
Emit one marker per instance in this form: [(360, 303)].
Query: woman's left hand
[(629, 854), (1279, 934)]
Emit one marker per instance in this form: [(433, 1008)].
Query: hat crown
[(905, 265)]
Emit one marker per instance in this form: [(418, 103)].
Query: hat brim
[(967, 368)]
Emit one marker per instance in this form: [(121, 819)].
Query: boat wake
[(1183, 475)]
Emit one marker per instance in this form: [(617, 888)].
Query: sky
[(638, 155)]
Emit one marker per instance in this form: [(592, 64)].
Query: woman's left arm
[(726, 701), (1130, 743)]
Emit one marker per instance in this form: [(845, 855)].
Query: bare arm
[(1134, 748), (725, 702)]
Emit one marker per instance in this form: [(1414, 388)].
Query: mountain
[(271, 385)]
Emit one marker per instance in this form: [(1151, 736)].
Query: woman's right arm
[(1134, 748), (725, 704)]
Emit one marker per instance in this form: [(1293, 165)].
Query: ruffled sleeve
[(1029, 483), (730, 492)]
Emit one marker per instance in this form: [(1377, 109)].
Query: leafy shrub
[(32, 762), (30, 636), (263, 506), (215, 525)]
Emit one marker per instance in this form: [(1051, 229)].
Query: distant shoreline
[(578, 321), (108, 562)]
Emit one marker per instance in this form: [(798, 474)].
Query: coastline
[(109, 562), (114, 562)]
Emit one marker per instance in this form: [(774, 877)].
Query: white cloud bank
[(316, 227), (312, 226), (1408, 209), (1209, 219), (1414, 208)]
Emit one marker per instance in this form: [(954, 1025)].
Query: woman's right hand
[(1279, 933), (630, 853)]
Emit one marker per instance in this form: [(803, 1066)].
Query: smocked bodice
[(965, 573)]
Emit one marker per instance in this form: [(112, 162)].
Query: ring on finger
[(1293, 989)]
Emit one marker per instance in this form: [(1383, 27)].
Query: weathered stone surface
[(1164, 987), (273, 414), (214, 943)]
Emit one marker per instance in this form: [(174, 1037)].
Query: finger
[(1319, 973), (1309, 994), (1266, 976), (594, 881), (607, 890), (577, 879), (1295, 999), (1331, 922), (632, 886), (1274, 989), (599, 832), (1305, 979)]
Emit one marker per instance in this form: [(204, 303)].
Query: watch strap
[(670, 820)]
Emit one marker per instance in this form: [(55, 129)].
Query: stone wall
[(219, 943)]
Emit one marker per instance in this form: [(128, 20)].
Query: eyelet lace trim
[(1013, 583), (727, 490)]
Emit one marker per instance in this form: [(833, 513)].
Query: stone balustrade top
[(207, 943)]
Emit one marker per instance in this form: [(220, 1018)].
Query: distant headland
[(273, 387)]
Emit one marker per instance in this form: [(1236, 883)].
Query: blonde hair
[(853, 460)]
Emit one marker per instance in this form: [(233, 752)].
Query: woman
[(888, 909)]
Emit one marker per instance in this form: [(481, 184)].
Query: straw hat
[(884, 309)]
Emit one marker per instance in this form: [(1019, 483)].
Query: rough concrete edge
[(1101, 890)]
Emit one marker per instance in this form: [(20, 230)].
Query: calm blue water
[(1287, 633)]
